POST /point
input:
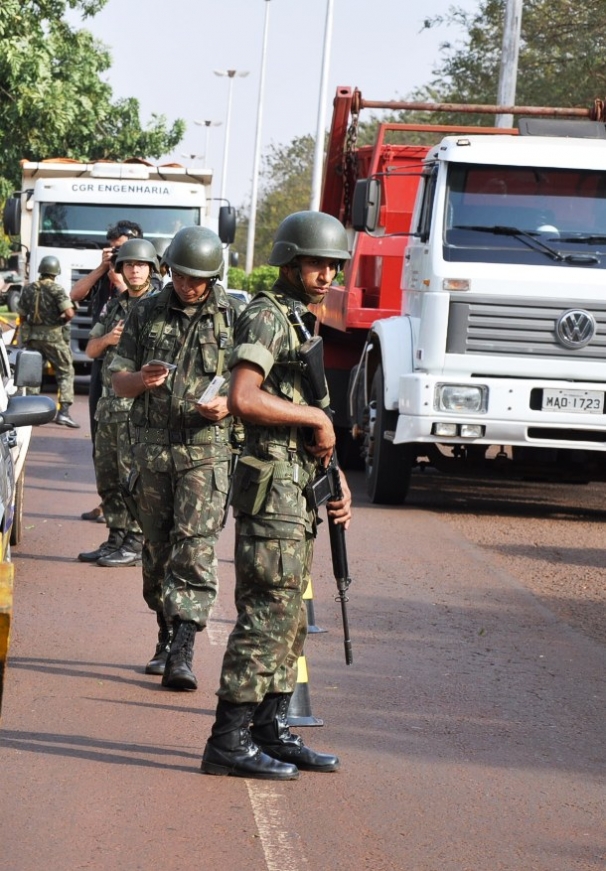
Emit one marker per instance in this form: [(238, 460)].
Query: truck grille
[(524, 328)]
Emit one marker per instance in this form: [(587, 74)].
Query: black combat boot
[(177, 672), (113, 543), (271, 732), (157, 663), (128, 554), (63, 417), (230, 749)]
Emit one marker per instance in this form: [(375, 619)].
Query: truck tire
[(12, 299), (388, 466), (17, 527)]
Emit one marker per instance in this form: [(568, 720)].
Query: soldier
[(136, 262), (99, 286), (46, 311), (287, 439), (173, 345)]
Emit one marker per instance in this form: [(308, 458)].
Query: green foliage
[(562, 59), (285, 188), (53, 101), (262, 278), (236, 278)]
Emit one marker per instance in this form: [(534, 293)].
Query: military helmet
[(195, 251), (309, 234), (137, 249), (49, 265)]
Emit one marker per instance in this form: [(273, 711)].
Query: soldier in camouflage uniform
[(287, 438), (136, 262), (46, 310), (181, 447)]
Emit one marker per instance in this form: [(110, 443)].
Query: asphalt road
[(470, 726)]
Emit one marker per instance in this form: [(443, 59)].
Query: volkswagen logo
[(575, 328)]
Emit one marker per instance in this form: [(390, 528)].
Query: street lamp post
[(252, 221), (208, 125), (316, 181), (230, 75)]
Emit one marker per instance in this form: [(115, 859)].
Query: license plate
[(579, 401)]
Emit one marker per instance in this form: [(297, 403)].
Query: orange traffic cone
[(299, 710), (308, 598)]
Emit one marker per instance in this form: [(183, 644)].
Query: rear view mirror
[(227, 224), (28, 369), (366, 205)]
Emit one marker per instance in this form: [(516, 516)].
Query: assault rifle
[(326, 486)]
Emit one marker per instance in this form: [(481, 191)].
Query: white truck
[(496, 359), (65, 208)]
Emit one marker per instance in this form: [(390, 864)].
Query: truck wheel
[(388, 466), (17, 527), (12, 300)]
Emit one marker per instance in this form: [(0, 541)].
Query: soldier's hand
[(113, 337), (324, 440), (340, 509), (216, 409), (153, 375)]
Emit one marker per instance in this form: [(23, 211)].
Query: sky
[(164, 53)]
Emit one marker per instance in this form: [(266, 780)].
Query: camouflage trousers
[(180, 512), (113, 460), (59, 355), (267, 640)]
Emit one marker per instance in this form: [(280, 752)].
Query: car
[(18, 414)]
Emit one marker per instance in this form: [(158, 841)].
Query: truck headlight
[(461, 398)]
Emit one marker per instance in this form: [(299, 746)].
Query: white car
[(18, 413)]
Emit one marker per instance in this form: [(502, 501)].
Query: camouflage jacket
[(41, 306), (265, 338), (111, 407), (196, 338)]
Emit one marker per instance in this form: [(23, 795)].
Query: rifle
[(326, 486)]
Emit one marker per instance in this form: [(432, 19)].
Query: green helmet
[(309, 234), (137, 249), (195, 251), (49, 265)]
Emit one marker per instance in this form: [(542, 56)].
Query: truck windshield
[(493, 213), (74, 225)]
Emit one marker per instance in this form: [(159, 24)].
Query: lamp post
[(252, 221), (231, 74), (316, 180), (508, 73), (208, 125)]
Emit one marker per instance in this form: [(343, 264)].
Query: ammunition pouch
[(250, 484)]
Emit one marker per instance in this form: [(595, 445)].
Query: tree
[(53, 101), (285, 187), (562, 59)]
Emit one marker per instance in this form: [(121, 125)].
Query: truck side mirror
[(11, 216), (28, 369), (227, 224), (366, 205)]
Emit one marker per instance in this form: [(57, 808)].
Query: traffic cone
[(308, 598), (299, 710)]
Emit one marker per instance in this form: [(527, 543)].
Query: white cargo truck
[(65, 208)]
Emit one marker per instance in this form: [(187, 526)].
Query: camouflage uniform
[(274, 548), (41, 306), (181, 459), (113, 449)]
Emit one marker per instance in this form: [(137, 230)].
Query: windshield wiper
[(532, 241), (588, 238)]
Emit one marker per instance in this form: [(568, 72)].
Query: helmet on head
[(137, 249), (195, 251), (49, 265), (309, 234)]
